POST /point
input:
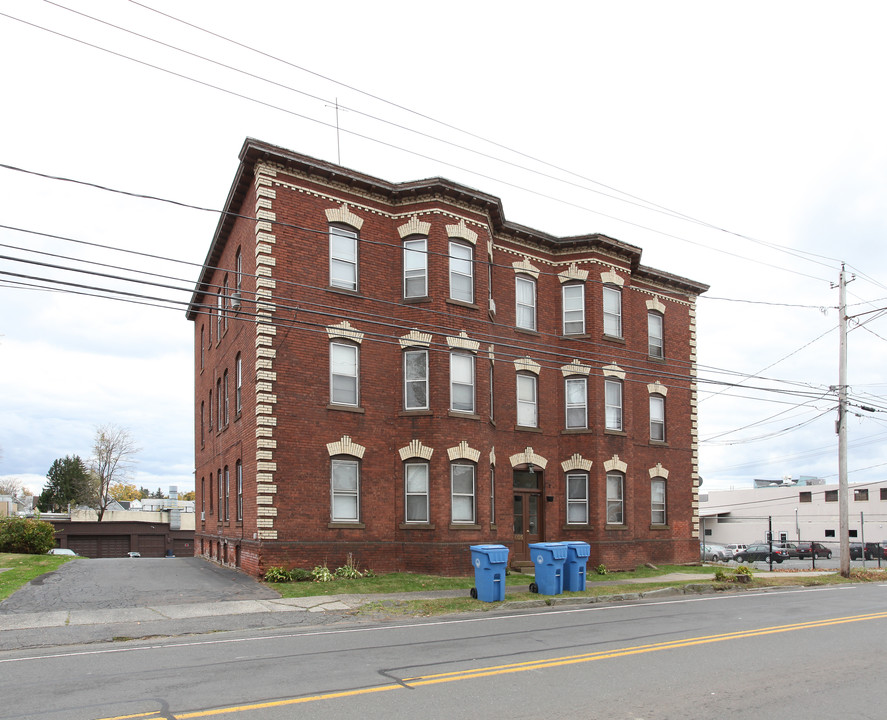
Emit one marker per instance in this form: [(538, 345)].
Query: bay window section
[(655, 336), (576, 393), (462, 382), (613, 404), (573, 308), (461, 272), (343, 258), (525, 302), (527, 401), (415, 380), (612, 311), (415, 268)]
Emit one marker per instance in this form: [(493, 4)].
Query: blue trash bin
[(548, 561), (489, 563), (575, 564)]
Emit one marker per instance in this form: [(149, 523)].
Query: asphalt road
[(133, 582), (793, 654)]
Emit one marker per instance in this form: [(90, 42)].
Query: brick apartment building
[(396, 371)]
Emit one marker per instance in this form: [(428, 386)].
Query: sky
[(741, 146)]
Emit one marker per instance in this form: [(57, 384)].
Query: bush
[(29, 536), (300, 575), (601, 569), (349, 570), (277, 574), (321, 573)]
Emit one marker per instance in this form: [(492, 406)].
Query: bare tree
[(13, 486), (112, 461)]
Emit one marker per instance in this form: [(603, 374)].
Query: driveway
[(96, 584)]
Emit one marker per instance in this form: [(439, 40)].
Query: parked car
[(856, 551), (61, 551), (716, 553), (813, 550), (791, 550), (133, 554), (877, 550), (734, 548), (761, 552)]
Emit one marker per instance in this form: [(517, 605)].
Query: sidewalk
[(29, 630)]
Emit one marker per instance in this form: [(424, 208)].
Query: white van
[(734, 548)]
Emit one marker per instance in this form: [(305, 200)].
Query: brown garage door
[(182, 547), (152, 545)]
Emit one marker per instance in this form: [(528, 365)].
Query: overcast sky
[(742, 146)]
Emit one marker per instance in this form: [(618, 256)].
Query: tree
[(144, 493), (124, 491), (68, 484), (190, 495), (26, 535), (112, 461), (13, 487), (157, 494)]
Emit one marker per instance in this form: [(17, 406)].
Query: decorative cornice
[(615, 463), (658, 471), (528, 457), (525, 363), (611, 278), (345, 446), (613, 371), (572, 273), (657, 388), (461, 230), (463, 342), (657, 305), (525, 266), (575, 368)]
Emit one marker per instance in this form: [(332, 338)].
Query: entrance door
[(527, 515)]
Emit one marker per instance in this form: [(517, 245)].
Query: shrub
[(29, 536), (300, 575), (601, 569), (349, 569), (321, 573), (720, 575), (277, 574)]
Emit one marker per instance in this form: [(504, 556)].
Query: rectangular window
[(239, 468), (220, 497), (657, 501), (577, 499), (831, 496), (613, 403), (655, 340), (238, 384), (219, 311), (615, 503), (415, 380), (829, 533), (462, 382), (224, 299), (861, 495), (345, 489), (343, 374), (805, 496), (527, 403), (202, 424), (211, 410), (227, 493), (210, 493), (492, 395), (657, 418), (343, 258), (416, 487), (225, 384), (612, 312), (238, 271), (492, 495), (525, 302), (203, 497), (883, 493), (462, 477), (202, 347), (220, 402), (461, 272), (415, 268), (576, 393), (573, 297)]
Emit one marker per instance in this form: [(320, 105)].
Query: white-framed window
[(655, 335), (615, 499), (416, 491), (219, 312), (461, 272), (345, 490), (657, 418), (415, 267), (225, 385), (211, 410), (238, 271), (613, 404), (227, 494), (343, 258), (344, 362), (202, 424), (225, 294), (415, 380), (612, 311), (239, 480), (577, 499), (462, 479), (238, 384), (573, 304), (576, 394), (202, 347), (220, 498), (657, 502), (462, 382), (220, 406), (525, 302), (492, 395), (492, 494), (527, 401), (211, 485)]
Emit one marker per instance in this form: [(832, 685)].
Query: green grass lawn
[(18, 570)]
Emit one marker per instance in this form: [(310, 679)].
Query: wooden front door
[(527, 512)]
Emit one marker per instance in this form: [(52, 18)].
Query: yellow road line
[(527, 665)]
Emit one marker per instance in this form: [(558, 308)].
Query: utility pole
[(843, 500)]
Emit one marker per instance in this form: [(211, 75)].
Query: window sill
[(345, 408), (527, 331), (462, 303), (577, 431), (660, 527), (619, 433), (464, 526), (463, 415), (341, 525), (415, 300), (527, 428), (577, 526), (656, 359), (574, 336), (614, 338), (416, 526), (659, 443), (415, 413), (623, 528), (343, 291)]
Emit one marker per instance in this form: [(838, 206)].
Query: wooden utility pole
[(843, 500)]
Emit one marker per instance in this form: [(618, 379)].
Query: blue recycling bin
[(489, 563), (548, 561), (575, 564)]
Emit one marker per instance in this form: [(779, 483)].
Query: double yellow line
[(493, 670)]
